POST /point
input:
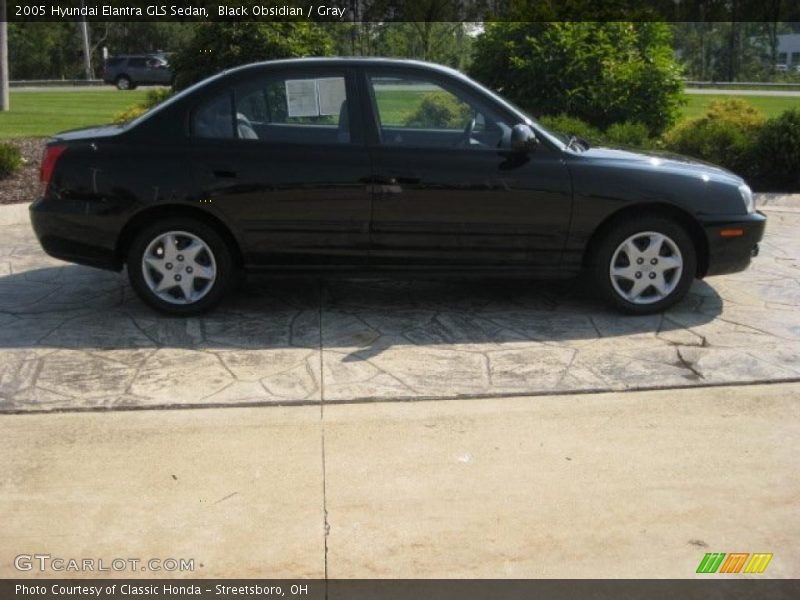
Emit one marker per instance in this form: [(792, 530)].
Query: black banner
[(714, 588), (404, 10)]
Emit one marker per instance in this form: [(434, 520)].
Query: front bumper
[(74, 232), (733, 243)]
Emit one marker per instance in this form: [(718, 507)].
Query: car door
[(447, 190), (158, 71), (136, 69), (281, 155)]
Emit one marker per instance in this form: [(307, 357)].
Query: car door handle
[(224, 174)]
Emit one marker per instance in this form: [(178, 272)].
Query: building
[(789, 49)]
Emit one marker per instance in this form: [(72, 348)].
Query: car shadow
[(77, 307)]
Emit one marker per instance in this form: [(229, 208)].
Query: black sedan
[(383, 166)]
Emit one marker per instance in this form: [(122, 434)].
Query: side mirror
[(523, 139)]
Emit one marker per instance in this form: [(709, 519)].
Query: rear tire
[(124, 83), (644, 265), (180, 266)]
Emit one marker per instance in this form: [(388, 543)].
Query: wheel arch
[(670, 211), (148, 215)]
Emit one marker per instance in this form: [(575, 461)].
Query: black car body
[(313, 164), (127, 72)]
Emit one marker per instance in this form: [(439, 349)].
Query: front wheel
[(180, 266), (644, 265)]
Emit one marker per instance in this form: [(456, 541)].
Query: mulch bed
[(23, 186)]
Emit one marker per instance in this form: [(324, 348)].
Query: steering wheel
[(466, 136)]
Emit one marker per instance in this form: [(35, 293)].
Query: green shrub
[(153, 98), (10, 160), (737, 111), (629, 133), (601, 72), (439, 110), (778, 150), (571, 126), (726, 135)]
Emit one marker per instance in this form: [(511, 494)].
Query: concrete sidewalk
[(636, 484)]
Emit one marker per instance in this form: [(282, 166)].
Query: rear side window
[(137, 62), (288, 109)]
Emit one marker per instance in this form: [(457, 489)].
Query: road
[(618, 485), (699, 91), (723, 92)]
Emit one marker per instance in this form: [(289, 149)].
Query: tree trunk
[(5, 101)]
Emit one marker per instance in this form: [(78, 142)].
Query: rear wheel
[(644, 265), (124, 83), (180, 266)]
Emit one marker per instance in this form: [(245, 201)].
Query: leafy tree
[(44, 50), (221, 45), (603, 73)]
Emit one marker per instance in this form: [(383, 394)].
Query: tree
[(217, 46), (4, 72), (601, 72)]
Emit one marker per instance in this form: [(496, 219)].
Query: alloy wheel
[(646, 267), (179, 267)]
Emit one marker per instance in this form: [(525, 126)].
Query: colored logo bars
[(736, 562)]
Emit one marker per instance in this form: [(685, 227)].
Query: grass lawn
[(771, 106), (41, 114)]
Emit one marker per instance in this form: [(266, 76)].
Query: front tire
[(180, 266), (644, 265)]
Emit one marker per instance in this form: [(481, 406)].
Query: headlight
[(747, 196)]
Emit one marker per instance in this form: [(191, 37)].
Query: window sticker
[(301, 98), (331, 92)]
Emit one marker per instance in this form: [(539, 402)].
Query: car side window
[(214, 118), (412, 111), (281, 109), (290, 109), (137, 63)]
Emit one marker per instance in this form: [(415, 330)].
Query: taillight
[(49, 159)]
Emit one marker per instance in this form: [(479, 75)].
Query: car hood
[(660, 161)]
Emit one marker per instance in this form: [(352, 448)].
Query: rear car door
[(447, 190), (281, 155), (136, 69)]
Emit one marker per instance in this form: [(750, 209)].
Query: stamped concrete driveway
[(73, 337)]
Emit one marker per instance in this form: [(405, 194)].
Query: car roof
[(348, 61)]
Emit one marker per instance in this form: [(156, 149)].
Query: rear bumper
[(68, 231), (730, 251)]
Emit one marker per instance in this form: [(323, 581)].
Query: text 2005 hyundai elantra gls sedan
[(382, 166)]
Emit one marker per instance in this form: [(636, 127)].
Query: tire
[(124, 83), (202, 264), (624, 272)]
